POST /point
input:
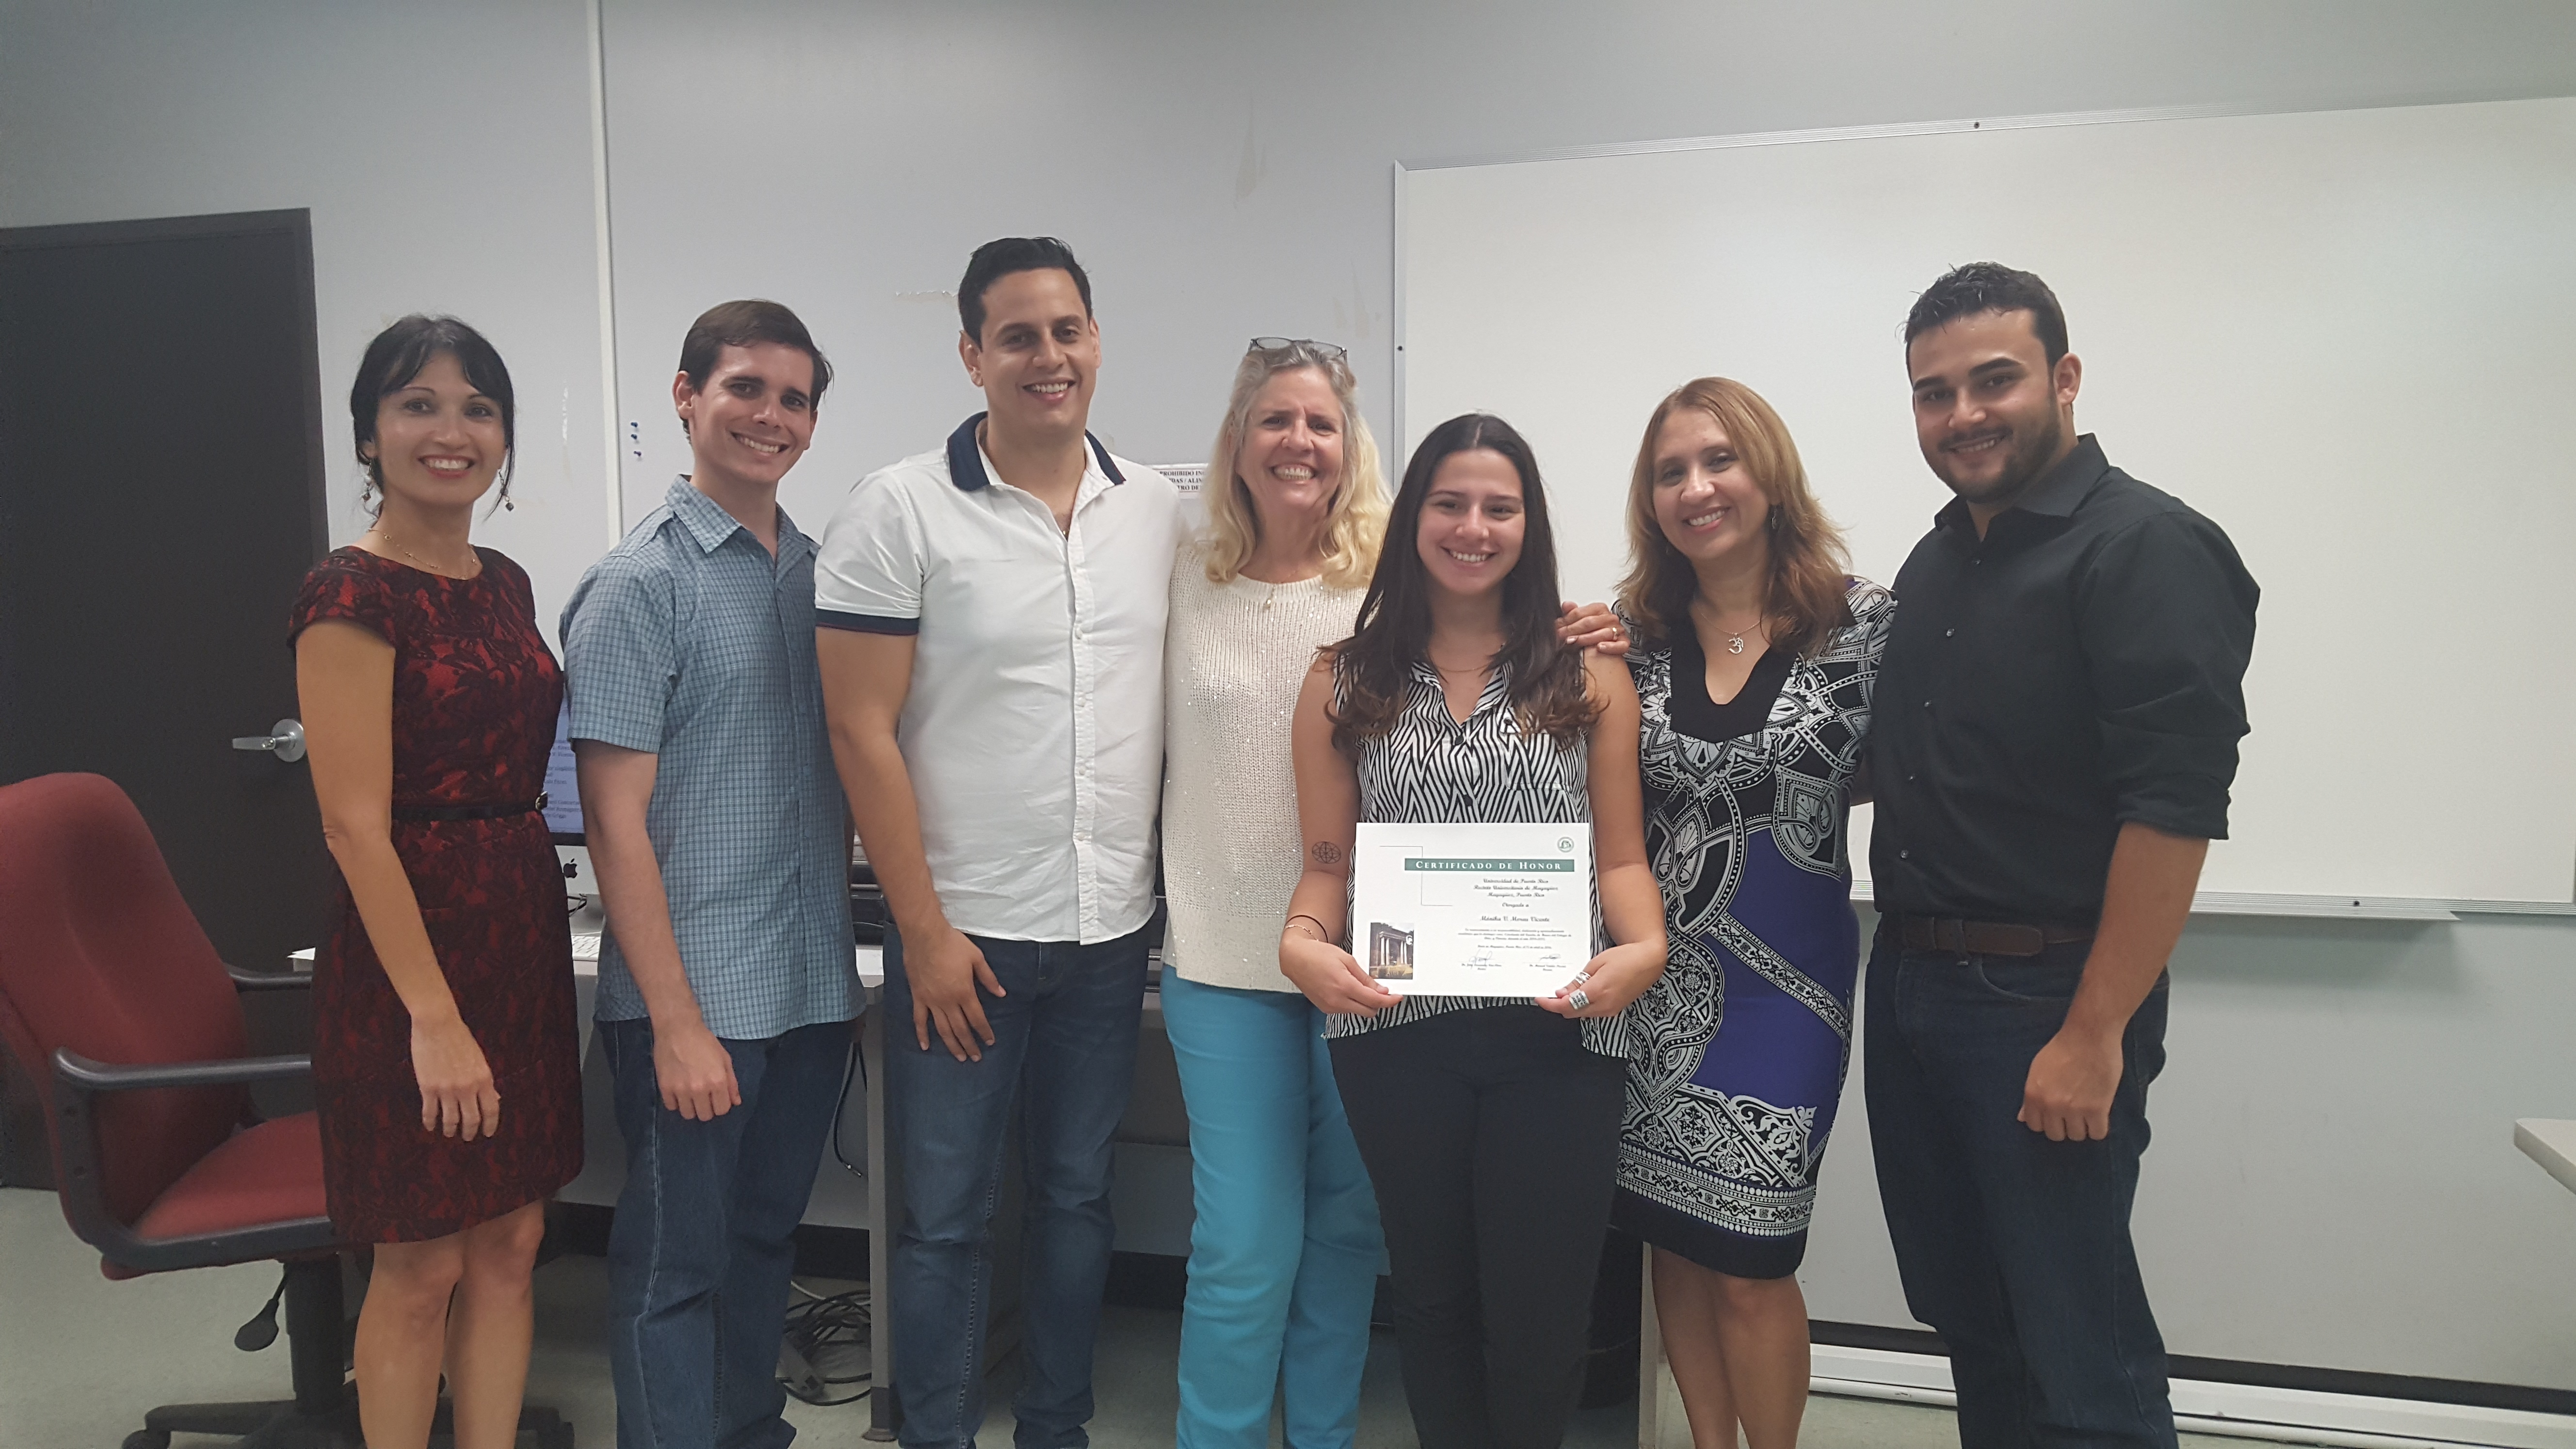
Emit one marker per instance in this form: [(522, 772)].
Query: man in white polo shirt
[(990, 624)]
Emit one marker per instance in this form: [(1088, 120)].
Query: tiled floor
[(81, 1358)]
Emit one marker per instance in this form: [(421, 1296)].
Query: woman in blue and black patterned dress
[(1755, 658)]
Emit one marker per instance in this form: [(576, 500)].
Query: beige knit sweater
[(1234, 656)]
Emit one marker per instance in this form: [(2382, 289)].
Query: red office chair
[(105, 975)]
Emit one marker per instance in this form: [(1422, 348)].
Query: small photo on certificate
[(1472, 910)]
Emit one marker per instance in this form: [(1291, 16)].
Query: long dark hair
[(397, 355), (1375, 665)]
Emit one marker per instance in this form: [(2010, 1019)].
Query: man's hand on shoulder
[(943, 971), (2068, 1093)]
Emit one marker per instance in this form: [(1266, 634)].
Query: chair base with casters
[(322, 1415), (324, 1412)]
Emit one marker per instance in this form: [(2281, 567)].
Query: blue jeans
[(1067, 1032), (2015, 1248), (1285, 1247), (703, 1241)]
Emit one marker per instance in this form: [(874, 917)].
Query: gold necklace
[(1734, 637), (423, 564)]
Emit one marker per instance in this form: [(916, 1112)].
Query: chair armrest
[(78, 1082), (87, 1077), (269, 980)]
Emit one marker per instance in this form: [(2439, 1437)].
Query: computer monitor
[(563, 790)]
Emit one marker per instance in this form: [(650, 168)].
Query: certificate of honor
[(1472, 910)]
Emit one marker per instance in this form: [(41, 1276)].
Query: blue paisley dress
[(1737, 1055)]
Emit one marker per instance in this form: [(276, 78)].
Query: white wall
[(2345, 1091), (1224, 167), (444, 151)]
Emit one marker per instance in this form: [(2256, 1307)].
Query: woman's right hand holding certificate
[(1330, 976), (1610, 981)]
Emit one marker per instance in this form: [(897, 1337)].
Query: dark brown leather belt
[(1983, 938)]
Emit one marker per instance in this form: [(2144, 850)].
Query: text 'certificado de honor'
[(1472, 910)]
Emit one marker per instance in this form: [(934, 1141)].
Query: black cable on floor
[(820, 1331)]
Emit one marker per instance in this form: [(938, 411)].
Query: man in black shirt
[(2053, 738)]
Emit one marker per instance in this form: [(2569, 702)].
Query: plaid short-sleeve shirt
[(689, 641)]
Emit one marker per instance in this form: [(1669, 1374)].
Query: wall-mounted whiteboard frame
[(1427, 209)]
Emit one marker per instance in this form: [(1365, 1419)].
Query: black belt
[(1983, 938), (471, 812)]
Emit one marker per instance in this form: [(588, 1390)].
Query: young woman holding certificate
[(1489, 1126), (1758, 656)]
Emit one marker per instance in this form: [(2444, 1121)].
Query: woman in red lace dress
[(445, 1057)]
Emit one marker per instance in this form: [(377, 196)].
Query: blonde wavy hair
[(1810, 567), (1357, 524)]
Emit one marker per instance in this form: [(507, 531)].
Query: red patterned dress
[(476, 693)]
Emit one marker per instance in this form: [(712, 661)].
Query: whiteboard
[(2349, 337)]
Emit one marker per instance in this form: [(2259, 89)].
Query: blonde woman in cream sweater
[(1284, 1253)]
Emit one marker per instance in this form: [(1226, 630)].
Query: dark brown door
[(160, 498)]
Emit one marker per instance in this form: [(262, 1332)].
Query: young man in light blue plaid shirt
[(726, 983)]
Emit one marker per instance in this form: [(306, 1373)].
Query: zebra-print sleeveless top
[(1430, 769)]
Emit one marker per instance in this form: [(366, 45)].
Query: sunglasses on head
[(1324, 350)]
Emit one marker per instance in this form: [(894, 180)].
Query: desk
[(2551, 1144), (880, 1218)]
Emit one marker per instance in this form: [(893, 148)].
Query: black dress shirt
[(2079, 667)]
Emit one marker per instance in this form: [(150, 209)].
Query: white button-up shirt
[(1034, 727)]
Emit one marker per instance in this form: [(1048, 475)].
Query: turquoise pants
[(1285, 1251)]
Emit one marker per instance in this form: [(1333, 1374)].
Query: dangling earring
[(1772, 520)]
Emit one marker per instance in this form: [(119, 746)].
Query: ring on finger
[(1578, 1000)]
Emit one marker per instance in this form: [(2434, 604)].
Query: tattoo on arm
[(1327, 853)]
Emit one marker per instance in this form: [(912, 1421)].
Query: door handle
[(285, 739)]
